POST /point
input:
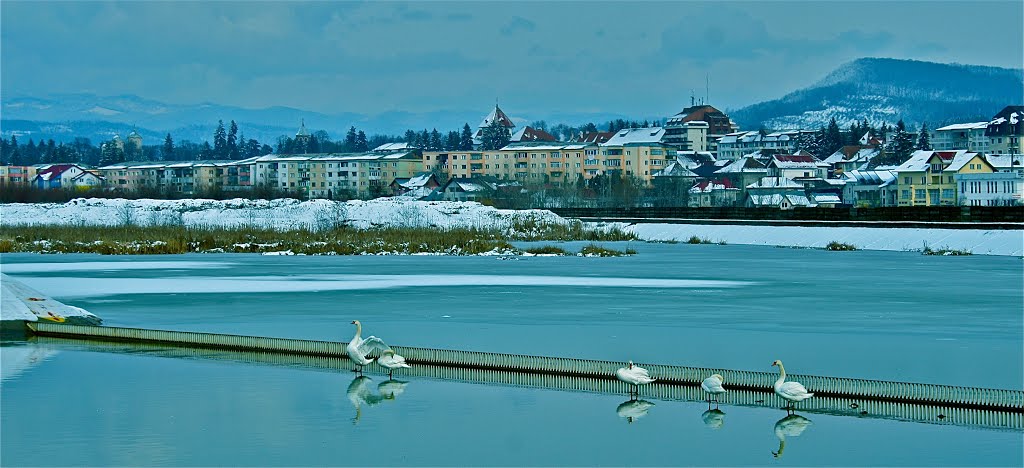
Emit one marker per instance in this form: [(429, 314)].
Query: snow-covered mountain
[(882, 89), (66, 116)]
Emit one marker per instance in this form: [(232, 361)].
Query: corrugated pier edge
[(1002, 400)]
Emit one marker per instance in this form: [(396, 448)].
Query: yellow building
[(16, 175), (635, 152), (531, 163), (928, 177)]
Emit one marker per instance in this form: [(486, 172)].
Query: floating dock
[(994, 408)]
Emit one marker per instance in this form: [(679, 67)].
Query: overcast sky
[(638, 59)]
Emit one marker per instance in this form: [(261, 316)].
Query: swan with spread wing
[(359, 348)]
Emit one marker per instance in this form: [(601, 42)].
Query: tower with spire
[(302, 137), (496, 115)]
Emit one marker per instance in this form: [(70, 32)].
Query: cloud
[(518, 24)]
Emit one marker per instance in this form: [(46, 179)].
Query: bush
[(594, 250), (839, 246), (547, 250), (698, 240)]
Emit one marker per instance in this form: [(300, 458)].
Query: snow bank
[(977, 241), (275, 214)]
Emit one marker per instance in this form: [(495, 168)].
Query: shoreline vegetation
[(342, 240)]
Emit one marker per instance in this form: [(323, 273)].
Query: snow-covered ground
[(276, 214), (399, 212), (20, 302), (976, 241)]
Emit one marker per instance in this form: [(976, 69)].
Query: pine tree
[(495, 136), (923, 140), (833, 138), (451, 143), (466, 139), (15, 155), (232, 142), (900, 146), (220, 141), (350, 140), (410, 137), (362, 145), (435, 141), (168, 149)]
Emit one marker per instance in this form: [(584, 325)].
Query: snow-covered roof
[(876, 177), (819, 198), (775, 199), (960, 160), (54, 171), (746, 164), (709, 186), (794, 161), (394, 147), (919, 159), (675, 169), (636, 136), (499, 115), (964, 126), (1005, 161), (775, 183), (419, 180), (529, 133)]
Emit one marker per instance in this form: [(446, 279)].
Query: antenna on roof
[(692, 98), (707, 88)]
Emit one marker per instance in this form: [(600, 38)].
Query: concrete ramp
[(20, 304)]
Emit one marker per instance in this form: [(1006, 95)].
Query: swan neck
[(782, 375), (359, 330)]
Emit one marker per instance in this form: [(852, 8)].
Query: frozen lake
[(866, 314)]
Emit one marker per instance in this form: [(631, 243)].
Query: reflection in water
[(359, 393), (391, 388), (14, 360), (633, 409), (714, 418), (789, 426)]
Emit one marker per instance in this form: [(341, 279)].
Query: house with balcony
[(962, 136), (1006, 132), (16, 175), (719, 192), (870, 188)]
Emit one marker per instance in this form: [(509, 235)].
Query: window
[(919, 194), (906, 180)]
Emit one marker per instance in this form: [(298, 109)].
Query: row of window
[(991, 186)]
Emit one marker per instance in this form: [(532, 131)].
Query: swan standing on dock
[(635, 376), (391, 361), (359, 348), (790, 391), (713, 385)]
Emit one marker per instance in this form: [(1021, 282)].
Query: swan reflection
[(633, 409), (359, 393), (713, 418), (789, 426), (389, 389)]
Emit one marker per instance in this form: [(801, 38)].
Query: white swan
[(359, 348), (713, 418), (633, 409), (790, 391), (635, 376), (713, 385), (789, 426), (391, 361)]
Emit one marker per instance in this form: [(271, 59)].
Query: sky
[(637, 58)]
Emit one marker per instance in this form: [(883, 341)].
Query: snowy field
[(276, 214), (399, 212), (976, 241)]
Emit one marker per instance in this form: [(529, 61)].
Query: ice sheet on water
[(103, 266), (88, 287)]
